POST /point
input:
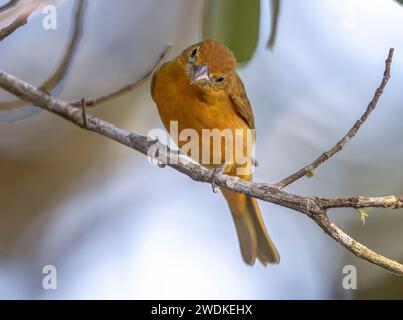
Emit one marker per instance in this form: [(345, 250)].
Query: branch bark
[(314, 207)]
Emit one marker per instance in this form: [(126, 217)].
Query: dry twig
[(350, 134), (9, 5), (21, 19), (65, 63), (127, 88)]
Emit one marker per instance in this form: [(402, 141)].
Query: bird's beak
[(200, 73)]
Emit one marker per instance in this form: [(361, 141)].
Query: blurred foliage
[(275, 10), (390, 288), (399, 1), (235, 23)]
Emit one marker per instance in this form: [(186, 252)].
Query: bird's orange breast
[(193, 107)]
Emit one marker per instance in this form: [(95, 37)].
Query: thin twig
[(84, 113), (340, 145), (22, 8), (9, 5), (65, 63), (313, 207), (61, 71), (129, 87), (355, 247), (21, 19)]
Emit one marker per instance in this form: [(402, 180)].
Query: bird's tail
[(252, 234)]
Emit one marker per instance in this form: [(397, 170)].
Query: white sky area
[(144, 232)]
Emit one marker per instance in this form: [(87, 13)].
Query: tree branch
[(140, 143), (362, 202), (314, 207), (65, 63), (350, 135), (21, 19), (127, 88), (9, 5), (355, 247)]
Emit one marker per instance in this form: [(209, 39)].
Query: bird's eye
[(194, 52), (219, 79)]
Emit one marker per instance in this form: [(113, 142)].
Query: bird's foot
[(155, 155), (214, 175)]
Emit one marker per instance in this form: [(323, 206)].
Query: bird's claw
[(214, 175)]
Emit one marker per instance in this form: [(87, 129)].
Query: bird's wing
[(154, 79), (237, 93)]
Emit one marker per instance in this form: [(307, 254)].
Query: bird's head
[(208, 63)]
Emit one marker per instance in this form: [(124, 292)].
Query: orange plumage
[(201, 90)]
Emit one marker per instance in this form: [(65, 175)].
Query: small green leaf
[(234, 23), (275, 10), (363, 214), (310, 174)]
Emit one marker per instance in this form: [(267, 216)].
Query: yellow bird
[(201, 90)]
